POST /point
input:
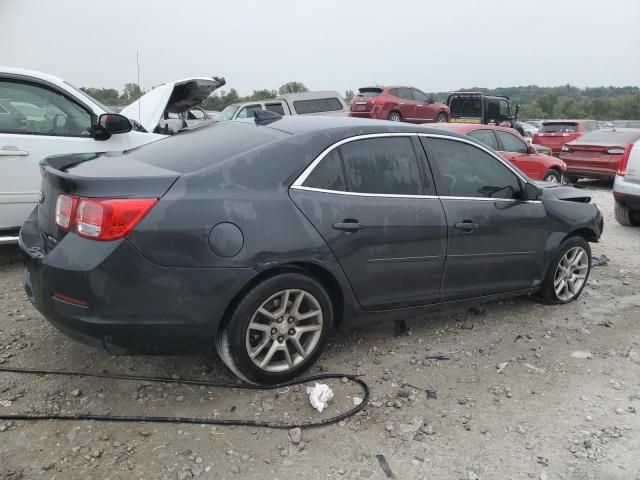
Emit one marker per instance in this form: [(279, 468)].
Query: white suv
[(42, 115), (626, 188)]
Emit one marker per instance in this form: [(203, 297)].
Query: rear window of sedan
[(205, 146), (611, 137), (559, 127)]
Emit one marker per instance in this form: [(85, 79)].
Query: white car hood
[(174, 97)]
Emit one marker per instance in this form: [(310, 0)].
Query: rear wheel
[(552, 176), (441, 118), (568, 272), (625, 216), (395, 117), (278, 329)]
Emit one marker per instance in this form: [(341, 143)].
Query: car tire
[(573, 180), (552, 176), (625, 216), (263, 341), (568, 272), (395, 117), (442, 118)]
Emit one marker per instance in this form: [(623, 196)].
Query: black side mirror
[(110, 124), (531, 192)]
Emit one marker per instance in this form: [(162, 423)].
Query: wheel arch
[(315, 271)]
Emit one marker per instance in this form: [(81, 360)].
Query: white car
[(42, 115)]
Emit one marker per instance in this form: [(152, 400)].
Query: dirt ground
[(564, 406)]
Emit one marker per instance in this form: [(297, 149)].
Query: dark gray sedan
[(261, 237)]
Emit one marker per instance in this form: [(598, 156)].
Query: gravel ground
[(526, 391)]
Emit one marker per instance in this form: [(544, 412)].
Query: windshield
[(228, 113), (559, 127), (86, 95)]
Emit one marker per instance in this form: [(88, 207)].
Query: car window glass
[(196, 114), (317, 105), (36, 110), (511, 143), (463, 170), (328, 174), (418, 96), (485, 136), (382, 165), (247, 112), (275, 107), (504, 108), (404, 93)]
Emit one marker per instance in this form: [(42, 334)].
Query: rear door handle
[(348, 226), (466, 226), (12, 152)]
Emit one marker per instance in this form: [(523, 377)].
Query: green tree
[(547, 103), (292, 87), (348, 95), (106, 96), (131, 93), (264, 94)]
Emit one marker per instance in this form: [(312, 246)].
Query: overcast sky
[(327, 44)]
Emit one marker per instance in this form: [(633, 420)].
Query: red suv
[(512, 146), (555, 133), (398, 104)]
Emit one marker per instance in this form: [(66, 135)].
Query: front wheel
[(278, 329), (441, 118), (568, 272), (552, 176)]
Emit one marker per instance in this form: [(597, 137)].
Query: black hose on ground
[(191, 420)]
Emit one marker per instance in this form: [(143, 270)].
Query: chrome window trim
[(298, 182)]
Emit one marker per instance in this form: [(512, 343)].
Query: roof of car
[(31, 73), (309, 95), (567, 120), (467, 127), (253, 102)]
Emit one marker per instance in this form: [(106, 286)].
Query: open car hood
[(173, 97)]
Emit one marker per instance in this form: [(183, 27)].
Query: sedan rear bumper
[(107, 295)]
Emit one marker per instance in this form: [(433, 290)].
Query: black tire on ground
[(625, 216), (547, 293), (395, 116), (573, 179), (231, 341), (442, 118), (552, 176)]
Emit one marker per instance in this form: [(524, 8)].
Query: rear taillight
[(101, 218), (65, 209), (622, 164)]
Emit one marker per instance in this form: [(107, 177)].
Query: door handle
[(12, 152), (466, 227), (348, 226)]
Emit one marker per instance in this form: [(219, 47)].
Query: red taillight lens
[(622, 164), (65, 209), (103, 218)]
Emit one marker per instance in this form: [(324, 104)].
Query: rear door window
[(328, 174), (382, 166), (485, 136), (317, 105), (419, 96), (404, 93), (511, 143), (275, 107), (464, 170)]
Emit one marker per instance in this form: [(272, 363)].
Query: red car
[(398, 104), (512, 146), (555, 133), (597, 154)]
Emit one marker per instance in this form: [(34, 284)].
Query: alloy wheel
[(442, 118), (284, 330), (551, 179), (571, 274)]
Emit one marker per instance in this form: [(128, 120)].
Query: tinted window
[(463, 170), (485, 136), (504, 108), (418, 96), (369, 92), (559, 127), (328, 174), (402, 93), (466, 106), (511, 143), (317, 105), (382, 165), (35, 110), (275, 107)]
